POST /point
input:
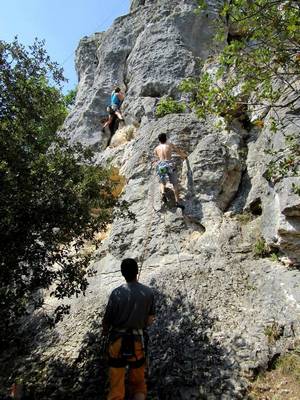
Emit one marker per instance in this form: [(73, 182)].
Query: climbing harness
[(166, 172), (127, 353)]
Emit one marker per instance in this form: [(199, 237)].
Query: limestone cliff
[(222, 313)]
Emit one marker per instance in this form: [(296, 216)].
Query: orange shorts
[(137, 383)]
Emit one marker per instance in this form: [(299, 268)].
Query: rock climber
[(129, 311), (117, 98), (165, 167)]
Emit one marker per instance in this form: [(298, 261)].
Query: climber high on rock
[(166, 168), (117, 98)]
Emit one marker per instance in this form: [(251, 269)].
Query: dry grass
[(281, 383), (123, 135)]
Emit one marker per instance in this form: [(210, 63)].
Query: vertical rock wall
[(147, 53)]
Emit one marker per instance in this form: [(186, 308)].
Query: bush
[(262, 48), (273, 332), (168, 105), (260, 248), (70, 98)]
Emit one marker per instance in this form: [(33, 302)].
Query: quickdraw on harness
[(127, 351)]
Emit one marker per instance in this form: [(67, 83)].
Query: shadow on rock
[(185, 363), (58, 377), (192, 203), (84, 378)]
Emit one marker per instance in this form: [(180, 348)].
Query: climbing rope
[(151, 211), (151, 193), (179, 264)]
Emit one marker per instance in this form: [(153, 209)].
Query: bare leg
[(176, 193), (162, 188), (107, 122), (118, 114), (163, 192)]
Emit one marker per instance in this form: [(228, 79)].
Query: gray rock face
[(280, 203), (222, 314), (147, 53), (84, 125)]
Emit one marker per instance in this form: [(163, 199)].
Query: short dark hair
[(117, 89), (162, 137), (129, 269)]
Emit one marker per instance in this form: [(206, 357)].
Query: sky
[(62, 23)]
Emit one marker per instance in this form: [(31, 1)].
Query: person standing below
[(129, 311), (166, 168)]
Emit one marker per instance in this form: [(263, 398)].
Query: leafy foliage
[(47, 188), (261, 56), (167, 105), (274, 257), (285, 162), (296, 189), (70, 98), (258, 67), (260, 248)]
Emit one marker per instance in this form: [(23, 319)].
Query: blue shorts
[(166, 172)]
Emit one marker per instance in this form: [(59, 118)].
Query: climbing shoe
[(178, 205)]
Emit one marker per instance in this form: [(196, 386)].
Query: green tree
[(70, 97), (47, 187), (259, 63), (259, 66)]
